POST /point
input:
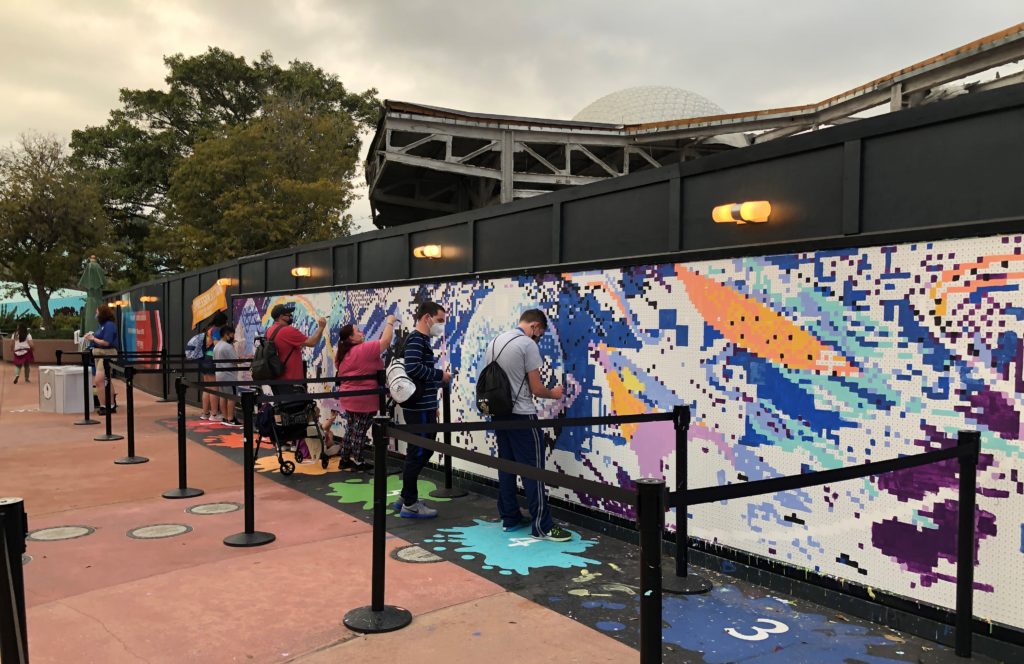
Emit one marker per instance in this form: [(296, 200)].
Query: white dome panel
[(650, 103)]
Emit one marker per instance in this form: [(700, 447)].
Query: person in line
[(290, 342), (23, 356), (103, 342), (208, 368), (358, 357), (421, 408), (223, 354), (517, 353)]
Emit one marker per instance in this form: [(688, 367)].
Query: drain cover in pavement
[(159, 531), (415, 554), (214, 508), (58, 533)]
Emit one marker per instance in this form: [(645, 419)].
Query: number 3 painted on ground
[(760, 633)]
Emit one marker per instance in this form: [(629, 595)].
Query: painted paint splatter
[(512, 552), (356, 491)]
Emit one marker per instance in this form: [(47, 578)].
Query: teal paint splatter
[(511, 552)]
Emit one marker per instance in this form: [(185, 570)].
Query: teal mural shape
[(355, 491), (512, 552)]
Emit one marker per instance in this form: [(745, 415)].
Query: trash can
[(60, 389)]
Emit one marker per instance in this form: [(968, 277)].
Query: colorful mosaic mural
[(790, 363)]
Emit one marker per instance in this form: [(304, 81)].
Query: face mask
[(437, 329)]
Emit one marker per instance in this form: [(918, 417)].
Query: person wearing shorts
[(223, 354)]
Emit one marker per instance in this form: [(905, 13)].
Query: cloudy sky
[(64, 61)]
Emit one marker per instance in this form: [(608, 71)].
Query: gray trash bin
[(60, 389)]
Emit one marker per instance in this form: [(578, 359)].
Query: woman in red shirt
[(358, 357)]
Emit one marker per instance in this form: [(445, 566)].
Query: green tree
[(51, 219), (284, 178), (145, 140)]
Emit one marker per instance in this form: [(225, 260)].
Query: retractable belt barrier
[(610, 420)]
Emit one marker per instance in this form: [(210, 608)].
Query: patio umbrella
[(92, 283)]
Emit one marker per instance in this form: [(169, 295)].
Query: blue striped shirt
[(419, 365)]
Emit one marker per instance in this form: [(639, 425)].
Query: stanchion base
[(112, 436), (82, 422), (691, 584), (187, 492), (366, 620), (448, 493), (162, 400), (128, 460), (250, 539)]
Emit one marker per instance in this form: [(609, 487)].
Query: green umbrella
[(92, 283)]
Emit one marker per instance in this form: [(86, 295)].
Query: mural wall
[(791, 362)]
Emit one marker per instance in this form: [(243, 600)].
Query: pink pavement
[(108, 598)]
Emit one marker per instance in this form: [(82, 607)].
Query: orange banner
[(206, 304)]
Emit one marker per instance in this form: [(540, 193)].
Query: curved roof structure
[(648, 103)]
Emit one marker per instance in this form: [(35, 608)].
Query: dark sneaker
[(556, 534), (397, 505), (364, 467), (417, 511)]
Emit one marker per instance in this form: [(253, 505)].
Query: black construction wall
[(936, 171)]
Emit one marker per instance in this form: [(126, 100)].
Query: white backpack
[(400, 386)]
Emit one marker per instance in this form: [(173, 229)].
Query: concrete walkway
[(107, 598)]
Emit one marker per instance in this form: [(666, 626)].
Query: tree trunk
[(42, 307)]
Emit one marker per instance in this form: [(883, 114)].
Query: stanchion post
[(183, 490), (60, 357), (382, 409), (378, 617), (250, 536), (965, 541), (446, 411), (13, 629), (108, 417), (650, 516), (129, 389), (680, 580), (163, 377), (86, 390)]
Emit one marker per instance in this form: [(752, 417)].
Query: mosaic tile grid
[(790, 363)]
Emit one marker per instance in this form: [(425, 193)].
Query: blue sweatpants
[(416, 457), (524, 446)]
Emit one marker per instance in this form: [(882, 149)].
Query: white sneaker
[(333, 450), (217, 418), (417, 511), (204, 416)]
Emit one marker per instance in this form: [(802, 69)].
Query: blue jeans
[(416, 457), (524, 446)]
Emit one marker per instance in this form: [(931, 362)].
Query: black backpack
[(494, 396), (266, 362)]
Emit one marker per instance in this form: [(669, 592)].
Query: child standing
[(23, 357)]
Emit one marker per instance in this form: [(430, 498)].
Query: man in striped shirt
[(421, 408)]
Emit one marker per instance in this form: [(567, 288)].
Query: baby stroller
[(287, 422)]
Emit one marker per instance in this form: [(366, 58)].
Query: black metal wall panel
[(252, 277), (319, 261), (952, 172), (514, 240), (231, 274), (206, 280), (279, 273), (345, 264), (631, 222), (805, 190), (189, 292), (455, 251), (384, 259), (176, 313)]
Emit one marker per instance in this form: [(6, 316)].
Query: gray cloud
[(64, 62)]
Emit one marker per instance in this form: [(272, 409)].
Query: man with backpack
[(289, 343), (506, 388)]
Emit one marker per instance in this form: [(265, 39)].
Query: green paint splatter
[(355, 491)]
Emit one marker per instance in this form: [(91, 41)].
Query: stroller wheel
[(298, 455), (287, 468)]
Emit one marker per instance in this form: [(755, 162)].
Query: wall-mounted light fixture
[(302, 271), (148, 298), (119, 303), (427, 251), (227, 281), (752, 212)]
